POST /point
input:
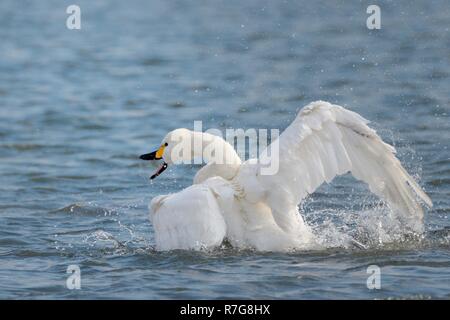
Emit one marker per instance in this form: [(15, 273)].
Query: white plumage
[(234, 201), (189, 219)]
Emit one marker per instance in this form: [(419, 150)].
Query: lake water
[(77, 108)]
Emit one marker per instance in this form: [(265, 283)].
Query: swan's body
[(234, 201)]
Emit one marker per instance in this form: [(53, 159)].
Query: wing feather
[(326, 140), (189, 219)]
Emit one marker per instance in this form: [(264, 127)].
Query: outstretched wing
[(326, 140)]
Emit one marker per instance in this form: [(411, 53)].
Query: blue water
[(78, 107)]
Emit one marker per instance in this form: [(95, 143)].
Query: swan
[(233, 201)]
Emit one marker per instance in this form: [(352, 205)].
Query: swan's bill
[(148, 156), (155, 155), (160, 170)]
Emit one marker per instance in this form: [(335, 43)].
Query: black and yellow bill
[(156, 155)]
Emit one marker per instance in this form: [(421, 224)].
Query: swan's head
[(166, 152)]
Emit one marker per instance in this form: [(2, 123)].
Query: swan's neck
[(220, 157), (211, 149)]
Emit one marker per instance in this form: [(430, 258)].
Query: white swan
[(234, 201)]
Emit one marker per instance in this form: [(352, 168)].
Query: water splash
[(372, 229)]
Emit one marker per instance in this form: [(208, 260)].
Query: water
[(78, 107)]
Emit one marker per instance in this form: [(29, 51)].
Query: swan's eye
[(166, 144)]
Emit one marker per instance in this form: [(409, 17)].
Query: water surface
[(78, 107)]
